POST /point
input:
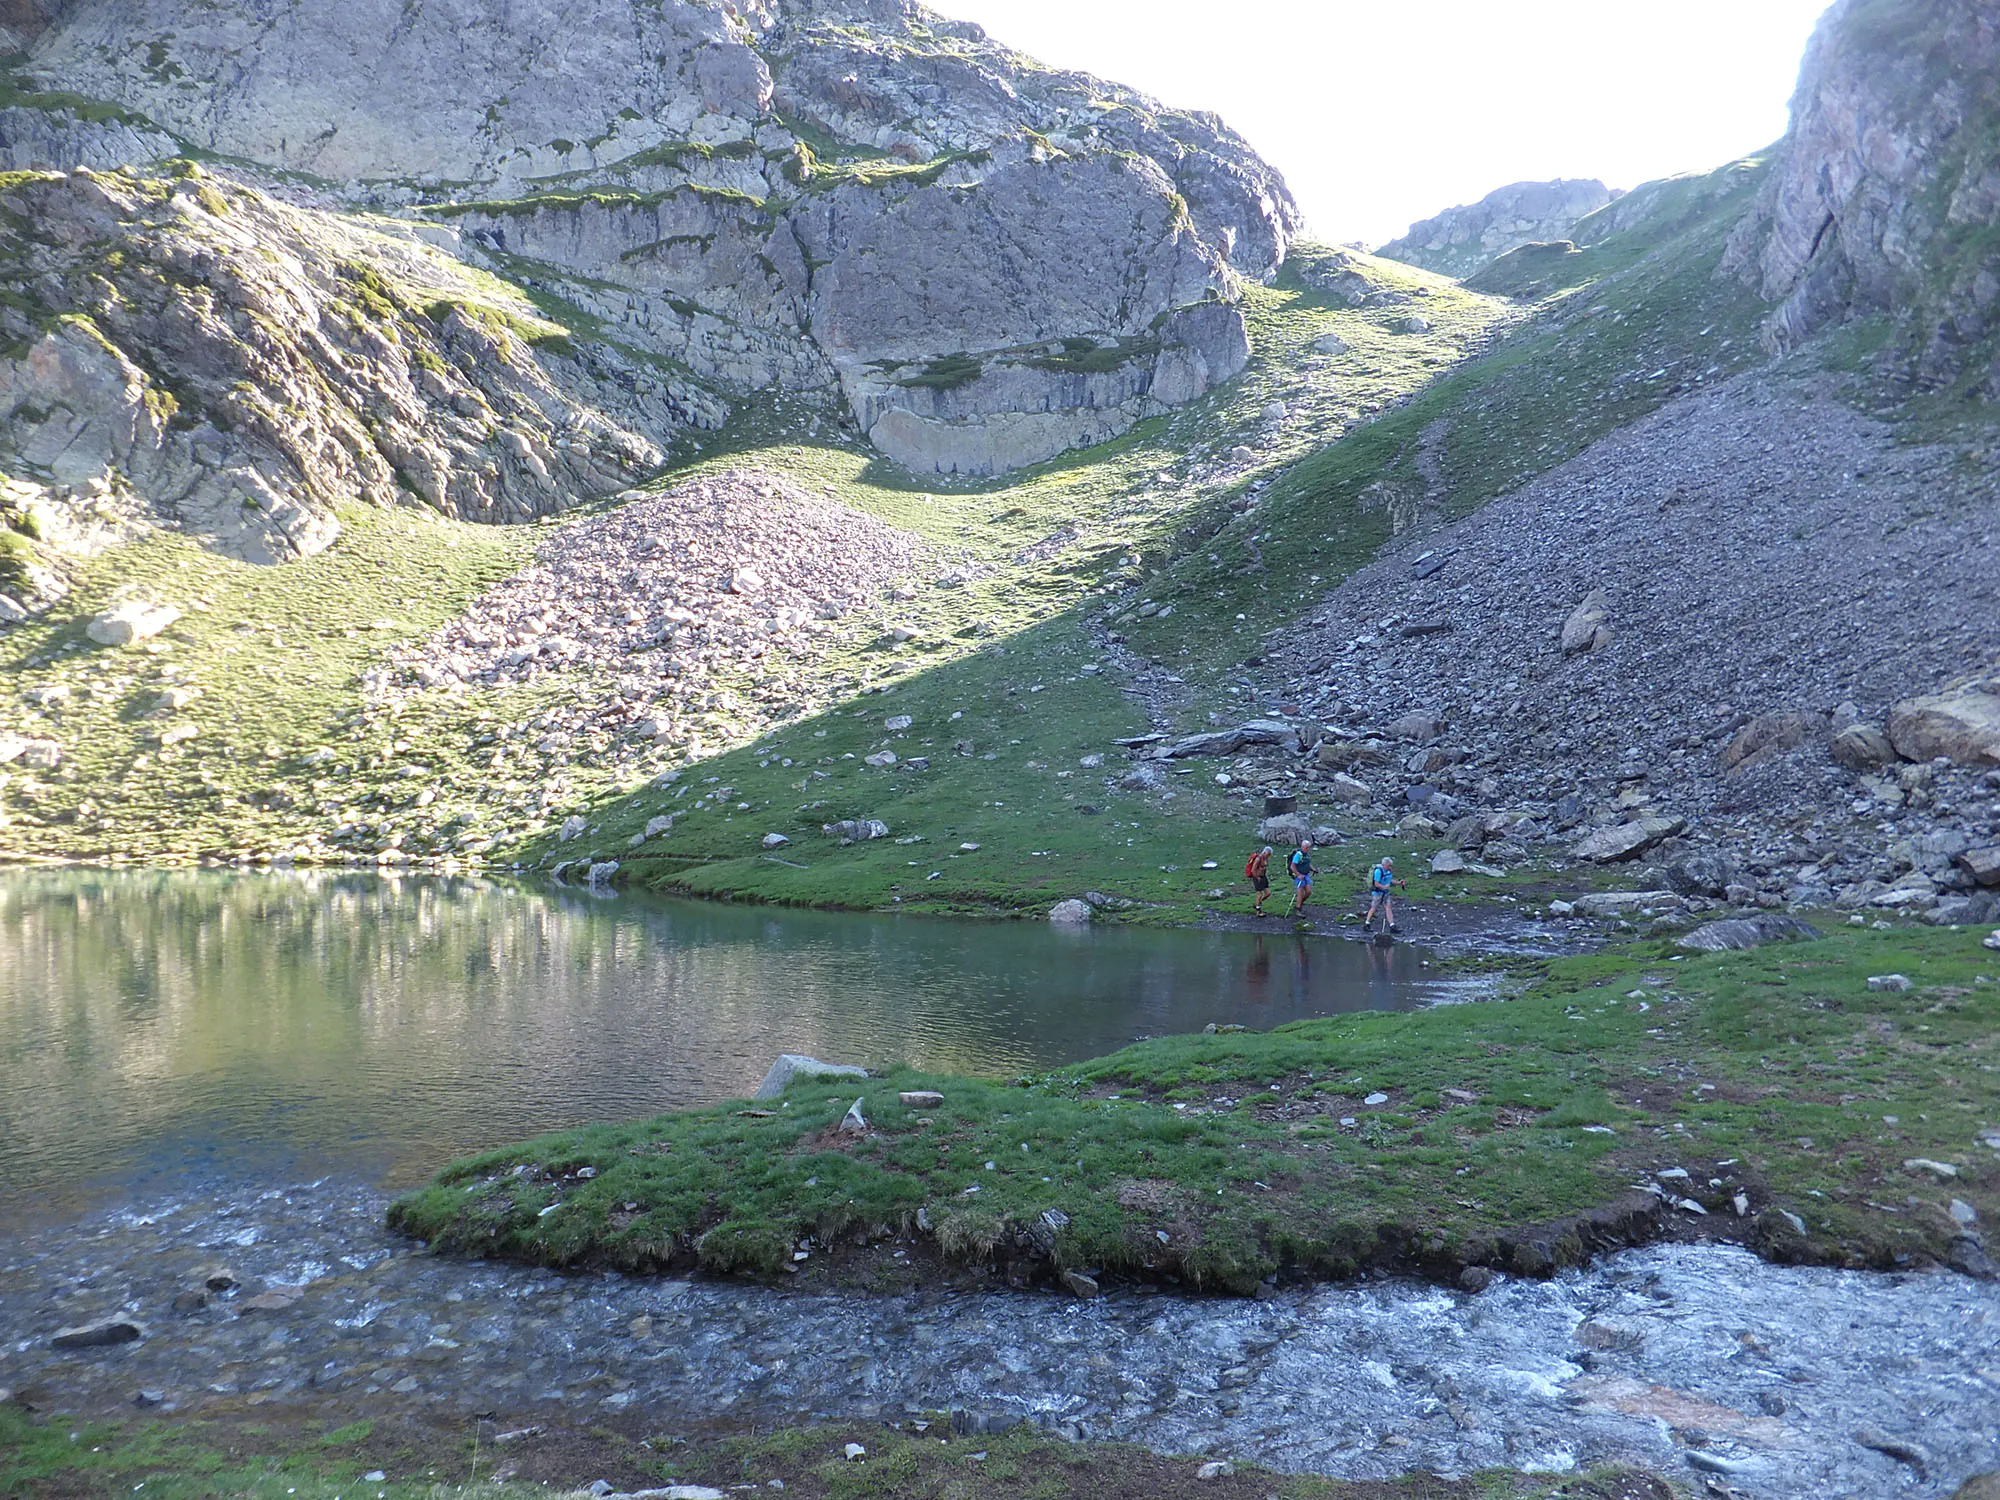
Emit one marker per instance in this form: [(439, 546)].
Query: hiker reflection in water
[(1257, 975)]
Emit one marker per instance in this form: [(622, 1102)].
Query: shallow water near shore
[(157, 1027), (1699, 1361)]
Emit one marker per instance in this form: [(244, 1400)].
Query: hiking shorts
[(1302, 882), (1260, 883)]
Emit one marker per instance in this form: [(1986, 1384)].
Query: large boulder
[(1621, 841), (1962, 724), (1071, 913), (1862, 747)]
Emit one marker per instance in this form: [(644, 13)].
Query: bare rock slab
[(1627, 840)]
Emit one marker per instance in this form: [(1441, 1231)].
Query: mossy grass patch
[(1772, 1090)]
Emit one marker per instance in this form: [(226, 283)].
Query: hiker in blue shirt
[(1301, 865), (1380, 880)]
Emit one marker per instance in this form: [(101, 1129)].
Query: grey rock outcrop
[(215, 360), (983, 261), (1884, 196), (1462, 241)]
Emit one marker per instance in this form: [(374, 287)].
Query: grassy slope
[(1631, 322), (1776, 1073), (1040, 542), (285, 1456)]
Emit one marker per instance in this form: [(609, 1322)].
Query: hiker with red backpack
[(1257, 870)]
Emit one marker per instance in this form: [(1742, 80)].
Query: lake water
[(158, 1028)]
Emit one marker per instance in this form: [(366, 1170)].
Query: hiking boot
[(1394, 928)]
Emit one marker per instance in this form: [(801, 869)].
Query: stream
[(203, 1070)]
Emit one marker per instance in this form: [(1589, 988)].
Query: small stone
[(1991, 940), (968, 848), (854, 1122), (920, 1099), (897, 724), (275, 1299), (855, 1452), (1447, 862), (881, 760), (1475, 1278), (376, 1476), (1080, 1285), (1894, 984), (1936, 1168), (1374, 1099), (149, 1398), (1215, 1469), (1963, 1212), (775, 841)]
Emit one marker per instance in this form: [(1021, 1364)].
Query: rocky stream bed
[(1705, 1362)]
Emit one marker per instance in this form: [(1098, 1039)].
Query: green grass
[(274, 1453), (1775, 1073)]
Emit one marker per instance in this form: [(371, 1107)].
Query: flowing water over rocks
[(1700, 1361)]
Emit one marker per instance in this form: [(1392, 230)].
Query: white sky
[(1381, 114)]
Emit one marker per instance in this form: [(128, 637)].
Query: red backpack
[(1250, 869)]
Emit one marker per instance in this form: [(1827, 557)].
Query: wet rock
[(1475, 1279), (1890, 1446), (1081, 1285), (99, 1335), (1623, 841), (276, 1299), (792, 1065), (1745, 932), (187, 1304), (1070, 913)]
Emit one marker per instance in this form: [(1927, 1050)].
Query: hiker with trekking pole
[(1380, 881)]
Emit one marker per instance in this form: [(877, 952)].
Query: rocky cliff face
[(1885, 195), (178, 350), (1462, 241), (852, 196)]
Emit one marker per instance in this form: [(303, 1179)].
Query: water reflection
[(154, 1024)]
